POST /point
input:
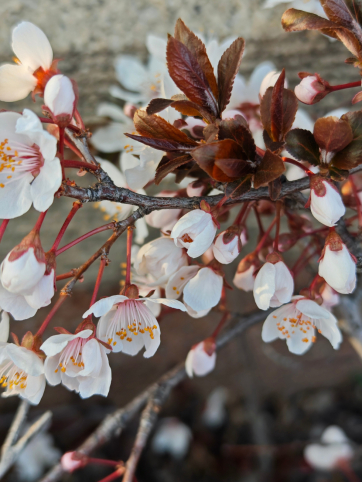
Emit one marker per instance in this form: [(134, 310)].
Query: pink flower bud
[(337, 266), (72, 461), (269, 81), (310, 90), (60, 99), (201, 358), (326, 203), (228, 245)]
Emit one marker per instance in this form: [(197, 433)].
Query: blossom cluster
[(193, 121)]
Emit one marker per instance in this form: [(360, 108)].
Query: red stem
[(73, 148), (114, 476), (277, 227), (82, 238), (240, 216), (79, 119), (301, 256), (76, 206), (52, 312), (129, 248), (299, 164), (79, 164), (98, 280), (46, 120), (67, 275), (61, 148), (258, 220), (3, 227), (220, 326), (265, 236), (40, 220), (346, 468), (333, 88), (111, 463)]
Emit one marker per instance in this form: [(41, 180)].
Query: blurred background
[(251, 418)]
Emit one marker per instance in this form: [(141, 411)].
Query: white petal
[(46, 184), (198, 362), (139, 176), (177, 282), (130, 72), (110, 138), (114, 173), (264, 286), (56, 343), (270, 330), (326, 458), (25, 359), (51, 370), (43, 292), (22, 274), (204, 290), (131, 97), (334, 434), (156, 46), (245, 280), (34, 389), (100, 385), (59, 95), (15, 198), (284, 285), (327, 209), (312, 309), (106, 109), (196, 314), (4, 326), (31, 46), (16, 82), (104, 305), (91, 354), (15, 304), (329, 329), (152, 345), (171, 303), (338, 269)]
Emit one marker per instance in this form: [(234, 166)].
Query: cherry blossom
[(172, 437), (269, 81), (201, 287), (312, 6), (29, 171), (27, 278), (164, 220), (201, 359), (296, 323), (337, 266), (334, 448), (195, 231), (228, 244), (244, 278), (161, 259), (127, 324), (215, 413), (274, 284), (326, 203), (60, 99), (34, 64), (79, 362), (21, 369), (310, 90), (330, 297)]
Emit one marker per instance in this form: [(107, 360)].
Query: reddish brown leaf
[(184, 35), (276, 109), (158, 105), (270, 168), (357, 98), (226, 150), (186, 107), (351, 155), (227, 69), (234, 168), (237, 130), (289, 110), (338, 12), (301, 144), (188, 76), (239, 188), (211, 132), (156, 127), (271, 145), (170, 166), (163, 144), (332, 134)]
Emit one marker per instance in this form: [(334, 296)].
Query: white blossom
[(172, 437), (60, 98), (29, 171), (338, 268), (201, 359), (326, 203), (128, 325), (79, 362), (297, 322), (227, 246)]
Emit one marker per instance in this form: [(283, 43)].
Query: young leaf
[(188, 76), (338, 12), (351, 155), (184, 35), (211, 132), (301, 144), (163, 144), (227, 69), (270, 109), (222, 160), (156, 127), (188, 108), (170, 166), (271, 145), (294, 20), (242, 186), (270, 167), (274, 188), (332, 134), (276, 108), (158, 105), (237, 130)]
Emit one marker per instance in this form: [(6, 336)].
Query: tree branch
[(113, 424)]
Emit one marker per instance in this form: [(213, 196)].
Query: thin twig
[(113, 424), (15, 427), (14, 451)]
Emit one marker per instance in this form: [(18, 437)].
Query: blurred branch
[(13, 452), (114, 423), (15, 427)]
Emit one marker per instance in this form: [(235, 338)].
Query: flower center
[(186, 238), (16, 160), (72, 353), (12, 377), (306, 326)]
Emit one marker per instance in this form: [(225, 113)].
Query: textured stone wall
[(88, 34)]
